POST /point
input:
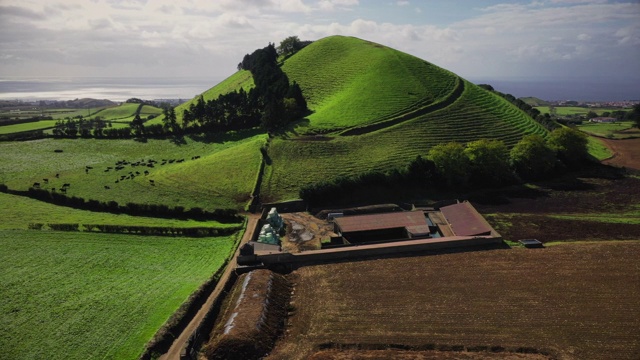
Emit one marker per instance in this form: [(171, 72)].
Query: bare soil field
[(626, 152), (569, 301), (532, 216), (422, 355)]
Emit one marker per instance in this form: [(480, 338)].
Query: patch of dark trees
[(150, 210), (141, 230), (272, 103), (454, 168), (544, 120)]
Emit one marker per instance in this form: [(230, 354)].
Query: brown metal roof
[(465, 220), (381, 221)]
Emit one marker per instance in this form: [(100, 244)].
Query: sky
[(559, 40)]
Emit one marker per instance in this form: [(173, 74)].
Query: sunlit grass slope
[(475, 115), (222, 177), (348, 81), (119, 112), (69, 295)]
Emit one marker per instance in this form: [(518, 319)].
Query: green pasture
[(86, 296), (149, 110), (223, 176), (355, 82), (597, 149), (24, 211), (119, 112), (16, 128), (575, 110), (609, 130), (476, 114)]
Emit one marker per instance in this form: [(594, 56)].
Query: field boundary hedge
[(150, 210), (140, 230), (175, 325)]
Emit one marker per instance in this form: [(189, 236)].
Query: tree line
[(458, 167), (272, 103)]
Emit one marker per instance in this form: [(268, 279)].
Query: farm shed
[(383, 227), (465, 220)]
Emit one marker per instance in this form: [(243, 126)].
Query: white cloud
[(189, 36), (584, 37)]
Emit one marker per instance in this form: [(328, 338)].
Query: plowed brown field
[(626, 152), (571, 301)]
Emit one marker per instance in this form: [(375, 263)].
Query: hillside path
[(178, 344)]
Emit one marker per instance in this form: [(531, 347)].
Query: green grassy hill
[(376, 108)]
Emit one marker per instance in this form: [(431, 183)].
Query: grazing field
[(598, 149), (24, 211), (618, 130), (81, 295), (573, 301), (576, 110), (30, 126), (204, 182)]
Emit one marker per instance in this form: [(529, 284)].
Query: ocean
[(123, 88), (111, 88), (578, 90)]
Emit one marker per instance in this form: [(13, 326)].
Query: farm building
[(459, 219)]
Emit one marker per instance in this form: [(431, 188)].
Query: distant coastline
[(578, 90), (122, 88), (112, 88)]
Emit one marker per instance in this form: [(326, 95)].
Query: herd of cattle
[(120, 165)]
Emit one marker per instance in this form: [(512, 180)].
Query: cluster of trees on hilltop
[(475, 165), (272, 103)]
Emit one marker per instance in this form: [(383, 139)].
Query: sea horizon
[(119, 89)]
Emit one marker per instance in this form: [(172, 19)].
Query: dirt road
[(178, 344)]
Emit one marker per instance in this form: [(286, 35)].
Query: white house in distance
[(603, 120)]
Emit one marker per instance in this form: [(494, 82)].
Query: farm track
[(180, 341)]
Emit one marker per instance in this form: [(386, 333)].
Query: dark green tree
[(532, 159), (489, 162), (451, 163), (570, 145), (634, 115), (290, 46), (137, 126)]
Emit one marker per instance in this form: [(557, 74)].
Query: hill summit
[(375, 109)]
